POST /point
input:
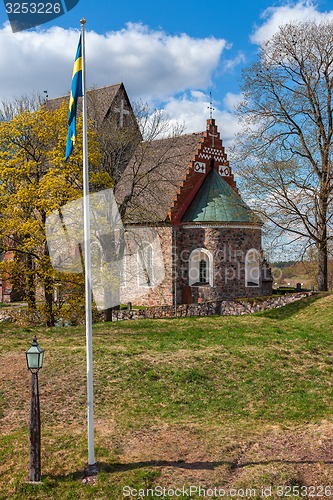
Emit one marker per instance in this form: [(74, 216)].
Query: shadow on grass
[(112, 468), (289, 310)]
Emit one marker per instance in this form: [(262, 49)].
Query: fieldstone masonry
[(202, 215), (219, 308), (228, 246)]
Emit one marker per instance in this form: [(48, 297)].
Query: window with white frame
[(203, 271), (201, 267), (123, 270), (252, 268)]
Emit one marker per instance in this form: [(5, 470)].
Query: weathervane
[(210, 107)]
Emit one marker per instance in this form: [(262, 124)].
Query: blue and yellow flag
[(76, 91)]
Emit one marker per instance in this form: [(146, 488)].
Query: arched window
[(145, 267), (149, 265), (201, 267), (123, 270), (252, 268), (203, 271)]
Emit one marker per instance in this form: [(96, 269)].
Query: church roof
[(177, 179), (99, 101), (216, 201), (186, 178), (153, 177)]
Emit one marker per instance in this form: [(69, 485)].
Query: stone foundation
[(219, 308)]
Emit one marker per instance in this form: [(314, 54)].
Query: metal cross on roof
[(210, 107)]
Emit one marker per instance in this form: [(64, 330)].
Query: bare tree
[(142, 167), (10, 109), (133, 143), (287, 138), (153, 168)]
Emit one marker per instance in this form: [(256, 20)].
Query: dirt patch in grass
[(301, 455), (182, 454), (16, 383), (190, 455)]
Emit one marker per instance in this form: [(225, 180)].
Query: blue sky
[(171, 54)]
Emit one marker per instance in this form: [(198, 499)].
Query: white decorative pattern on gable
[(224, 171), (209, 153), (200, 167)]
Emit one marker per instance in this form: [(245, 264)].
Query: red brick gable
[(210, 154)]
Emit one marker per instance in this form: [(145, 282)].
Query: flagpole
[(87, 259)]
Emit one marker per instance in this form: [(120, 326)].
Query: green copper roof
[(216, 201)]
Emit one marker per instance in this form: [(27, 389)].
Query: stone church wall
[(163, 294), (228, 247)]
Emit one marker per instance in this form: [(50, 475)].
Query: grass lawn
[(233, 403)]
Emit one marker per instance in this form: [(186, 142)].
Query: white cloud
[(277, 16), (36, 61), (152, 64), (192, 111), (231, 64), (231, 101)]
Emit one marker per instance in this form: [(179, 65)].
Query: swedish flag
[(76, 91)]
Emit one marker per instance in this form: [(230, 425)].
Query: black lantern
[(34, 356)]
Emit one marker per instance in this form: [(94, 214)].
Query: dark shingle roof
[(155, 174), (99, 101)]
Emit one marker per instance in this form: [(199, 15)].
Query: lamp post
[(34, 356)]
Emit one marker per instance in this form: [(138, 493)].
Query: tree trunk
[(322, 267), (48, 284), (30, 285), (322, 274), (31, 296), (48, 293), (108, 314)]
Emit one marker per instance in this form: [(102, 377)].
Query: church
[(182, 188), (210, 239)]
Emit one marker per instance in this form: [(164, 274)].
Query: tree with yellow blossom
[(35, 181)]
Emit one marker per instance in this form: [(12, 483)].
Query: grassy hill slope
[(228, 402)]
